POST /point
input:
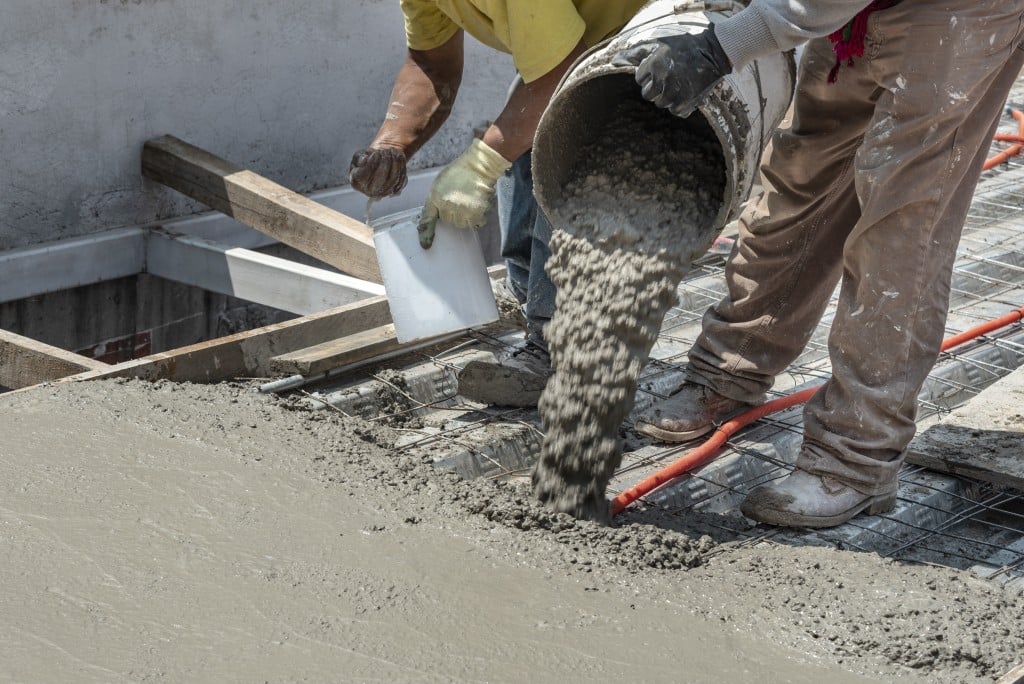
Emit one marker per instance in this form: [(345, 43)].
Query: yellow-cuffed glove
[(463, 192)]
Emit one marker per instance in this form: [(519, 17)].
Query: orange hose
[(1012, 150), (979, 330), (706, 452)]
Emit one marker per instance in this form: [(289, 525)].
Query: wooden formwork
[(357, 330)]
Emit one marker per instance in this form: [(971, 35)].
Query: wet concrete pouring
[(637, 209)]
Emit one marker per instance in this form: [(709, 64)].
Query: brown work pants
[(869, 180)]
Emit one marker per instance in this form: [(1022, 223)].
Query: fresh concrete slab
[(206, 533)]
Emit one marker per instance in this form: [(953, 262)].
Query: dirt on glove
[(638, 207)]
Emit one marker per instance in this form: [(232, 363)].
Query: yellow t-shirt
[(539, 34)]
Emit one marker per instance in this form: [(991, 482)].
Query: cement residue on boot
[(637, 209), (510, 309), (514, 377)]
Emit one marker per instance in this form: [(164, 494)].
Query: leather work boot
[(692, 411), (516, 377), (804, 500)]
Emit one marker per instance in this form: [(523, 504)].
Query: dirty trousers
[(868, 182)]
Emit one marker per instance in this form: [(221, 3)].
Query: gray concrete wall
[(290, 89)]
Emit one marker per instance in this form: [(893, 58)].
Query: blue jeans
[(525, 234)]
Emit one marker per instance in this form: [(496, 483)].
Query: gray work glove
[(677, 72), (378, 171)]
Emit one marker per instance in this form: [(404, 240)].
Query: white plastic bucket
[(437, 291)]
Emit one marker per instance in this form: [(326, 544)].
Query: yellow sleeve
[(426, 26), (542, 33)]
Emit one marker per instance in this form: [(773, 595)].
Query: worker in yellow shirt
[(544, 39)]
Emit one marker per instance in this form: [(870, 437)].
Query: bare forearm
[(512, 132), (422, 97)]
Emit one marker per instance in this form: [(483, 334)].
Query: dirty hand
[(462, 193), (677, 72), (378, 171)]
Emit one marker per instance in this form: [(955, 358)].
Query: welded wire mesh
[(939, 519)]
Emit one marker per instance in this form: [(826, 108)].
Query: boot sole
[(873, 505), (670, 436), (680, 436)]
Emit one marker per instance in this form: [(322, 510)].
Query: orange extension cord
[(1012, 150), (708, 451)]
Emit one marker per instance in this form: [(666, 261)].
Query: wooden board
[(349, 350), (983, 439), (25, 362), (336, 353), (217, 227), (1014, 676), (248, 354), (328, 235)]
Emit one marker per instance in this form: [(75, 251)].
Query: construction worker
[(544, 39), (867, 184)]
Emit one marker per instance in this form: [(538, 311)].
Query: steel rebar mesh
[(939, 519)]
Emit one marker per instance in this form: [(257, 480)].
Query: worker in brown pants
[(868, 184)]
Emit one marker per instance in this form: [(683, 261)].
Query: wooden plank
[(336, 353), (1014, 676), (25, 362), (253, 276), (64, 264), (983, 439), (73, 262), (349, 350), (328, 235), (217, 227), (248, 354)]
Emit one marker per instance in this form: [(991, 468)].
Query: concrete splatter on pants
[(868, 182)]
